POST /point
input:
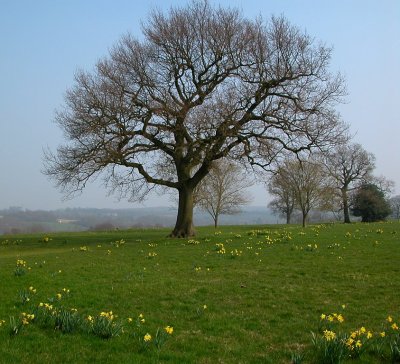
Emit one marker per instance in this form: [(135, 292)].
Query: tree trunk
[(288, 217), (345, 207), (215, 221), (184, 220), (304, 219)]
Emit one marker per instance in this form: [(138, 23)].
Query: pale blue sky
[(43, 42)]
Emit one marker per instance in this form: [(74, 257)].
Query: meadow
[(238, 294)]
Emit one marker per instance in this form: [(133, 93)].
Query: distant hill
[(18, 220)]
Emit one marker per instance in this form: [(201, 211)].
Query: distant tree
[(348, 165), (223, 190), (384, 184), (395, 206), (369, 202), (283, 202), (201, 84), (104, 226), (308, 182), (36, 228)]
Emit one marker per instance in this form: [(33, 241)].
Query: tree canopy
[(369, 202), (202, 84)]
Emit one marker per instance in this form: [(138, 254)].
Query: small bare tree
[(395, 206), (307, 182), (223, 190), (349, 165), (203, 84), (283, 202), (384, 184)]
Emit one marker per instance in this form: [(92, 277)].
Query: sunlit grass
[(257, 302)]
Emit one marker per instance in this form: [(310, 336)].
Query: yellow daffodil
[(329, 335), (169, 330), (350, 342), (147, 337), (108, 315)]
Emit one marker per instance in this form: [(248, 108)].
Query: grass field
[(243, 294)]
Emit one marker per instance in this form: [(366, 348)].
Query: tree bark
[(288, 217), (215, 221), (184, 220), (345, 201), (304, 219)]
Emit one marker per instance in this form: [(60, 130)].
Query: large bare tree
[(204, 83), (349, 165), (223, 190)]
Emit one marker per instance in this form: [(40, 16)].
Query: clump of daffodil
[(193, 242), (332, 318), (26, 294), (108, 315), (20, 267), (118, 243), (105, 325), (67, 320), (26, 318), (162, 336), (236, 253), (46, 306), (333, 346), (219, 247)]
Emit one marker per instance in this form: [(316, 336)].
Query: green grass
[(261, 305)]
